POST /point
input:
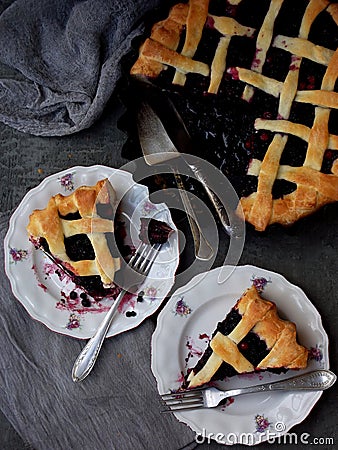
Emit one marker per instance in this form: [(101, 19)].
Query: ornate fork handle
[(87, 358), (311, 381)]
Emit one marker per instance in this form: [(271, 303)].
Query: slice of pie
[(75, 230), (256, 85), (252, 337), (154, 231)]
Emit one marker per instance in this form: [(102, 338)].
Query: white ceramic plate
[(46, 297), (181, 336)]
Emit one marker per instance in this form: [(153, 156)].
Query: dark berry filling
[(333, 120), (253, 348), (41, 243), (221, 8), (210, 40), (282, 187), (277, 71), (289, 156), (290, 18), (73, 295), (71, 216), (93, 286), (85, 300), (79, 247), (329, 157), (252, 14), (140, 297), (325, 36), (225, 370), (154, 231), (229, 323)]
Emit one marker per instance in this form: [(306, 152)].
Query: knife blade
[(158, 148), (161, 150)]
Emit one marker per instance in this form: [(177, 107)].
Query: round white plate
[(181, 336), (46, 297)]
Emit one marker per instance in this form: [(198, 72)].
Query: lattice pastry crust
[(50, 225), (259, 316), (313, 188)]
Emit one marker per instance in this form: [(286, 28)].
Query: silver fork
[(317, 380), (141, 263)]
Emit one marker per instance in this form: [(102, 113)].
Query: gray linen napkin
[(116, 407), (67, 53)]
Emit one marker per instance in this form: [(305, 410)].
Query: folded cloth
[(67, 54), (116, 407)]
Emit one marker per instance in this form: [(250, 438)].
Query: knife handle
[(218, 205), (203, 249)]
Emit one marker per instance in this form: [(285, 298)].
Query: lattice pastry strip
[(165, 35), (228, 27), (196, 18), (52, 225), (264, 39), (260, 317), (304, 48)]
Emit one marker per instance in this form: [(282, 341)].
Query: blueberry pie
[(256, 84), (75, 230), (251, 337)]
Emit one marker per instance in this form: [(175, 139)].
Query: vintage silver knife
[(158, 148)]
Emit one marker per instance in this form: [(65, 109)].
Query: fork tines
[(144, 256), (182, 401)]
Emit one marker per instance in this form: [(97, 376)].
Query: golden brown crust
[(252, 308), (286, 351), (197, 15), (297, 204), (304, 48), (48, 224), (153, 50), (261, 317), (167, 33), (269, 328)]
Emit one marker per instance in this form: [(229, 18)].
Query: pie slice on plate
[(75, 230), (252, 337)]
